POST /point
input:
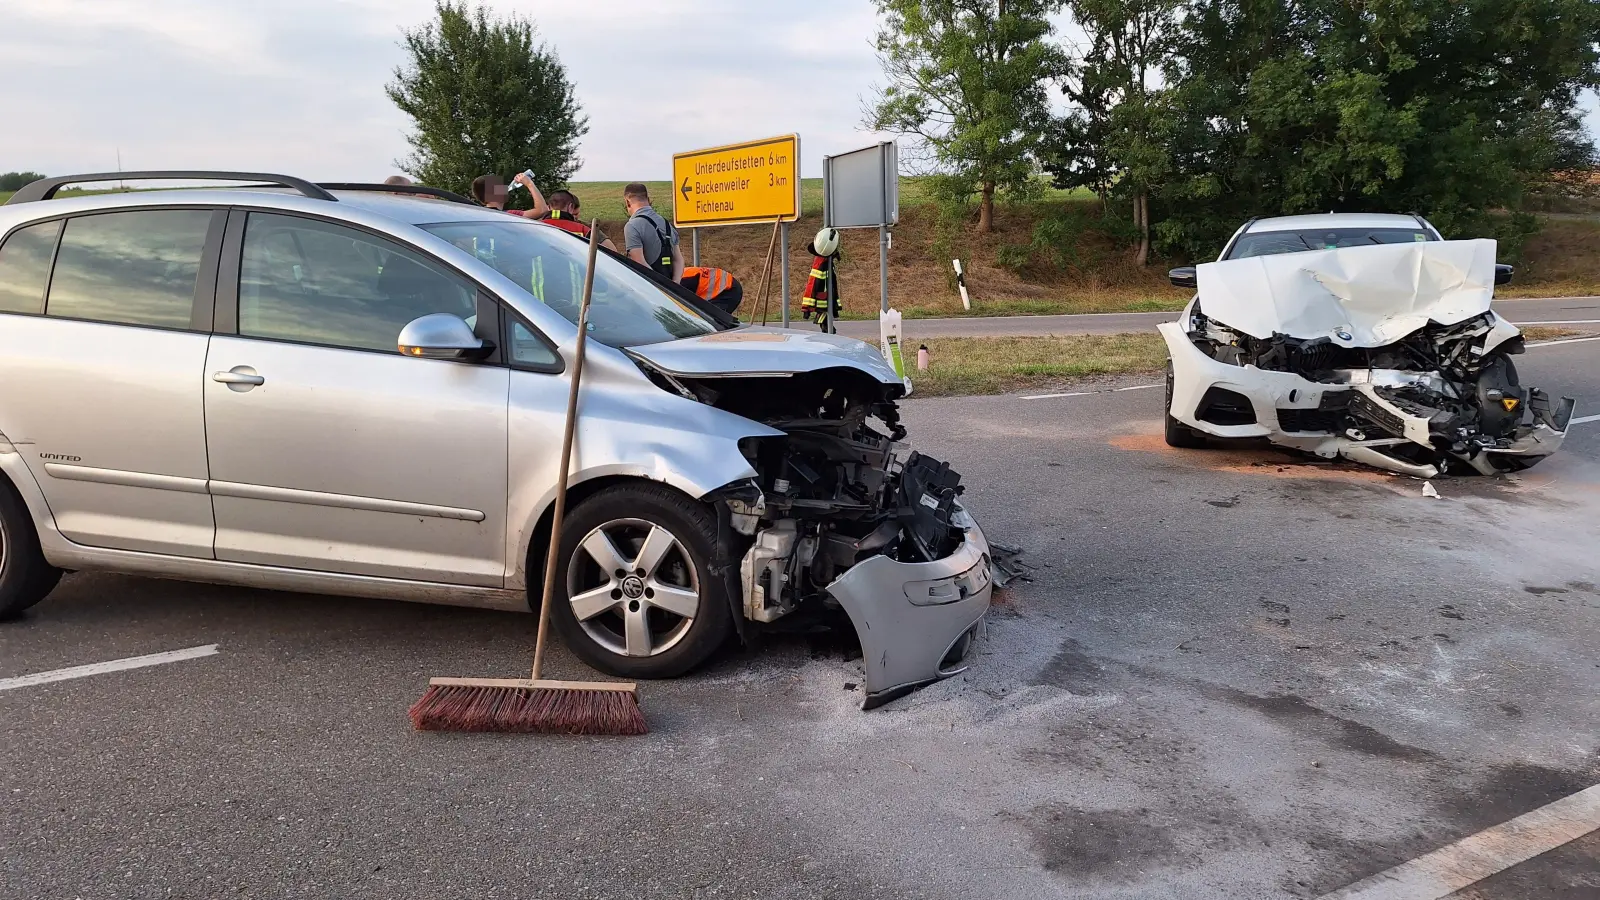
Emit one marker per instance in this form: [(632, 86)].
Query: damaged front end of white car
[(1387, 355)]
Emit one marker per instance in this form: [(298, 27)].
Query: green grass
[(997, 365)]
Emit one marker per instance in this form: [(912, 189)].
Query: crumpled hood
[(1354, 296), (752, 350)]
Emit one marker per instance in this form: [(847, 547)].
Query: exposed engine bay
[(837, 489), (1394, 360)]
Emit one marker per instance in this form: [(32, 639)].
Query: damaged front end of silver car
[(842, 518)]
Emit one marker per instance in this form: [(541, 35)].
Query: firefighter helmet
[(826, 242)]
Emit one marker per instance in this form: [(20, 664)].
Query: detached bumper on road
[(917, 621)]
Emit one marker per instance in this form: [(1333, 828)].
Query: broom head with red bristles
[(521, 705)]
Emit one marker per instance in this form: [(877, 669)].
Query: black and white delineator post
[(861, 189), (961, 285)]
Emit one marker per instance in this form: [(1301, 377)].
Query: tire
[(1179, 434), (670, 643), (25, 577)]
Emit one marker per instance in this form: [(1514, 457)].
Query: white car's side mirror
[(442, 336)]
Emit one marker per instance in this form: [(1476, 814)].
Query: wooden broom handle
[(552, 559)]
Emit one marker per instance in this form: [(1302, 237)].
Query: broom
[(536, 704)]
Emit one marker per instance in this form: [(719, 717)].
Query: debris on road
[(1428, 490)]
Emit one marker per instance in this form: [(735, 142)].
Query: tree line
[(1188, 117)]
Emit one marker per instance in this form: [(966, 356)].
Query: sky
[(296, 86)]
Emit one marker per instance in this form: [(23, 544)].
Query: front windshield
[(626, 310), (1268, 243)]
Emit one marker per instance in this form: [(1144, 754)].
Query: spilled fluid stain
[(1262, 460), (1341, 732)]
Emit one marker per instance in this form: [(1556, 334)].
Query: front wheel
[(1179, 434), (637, 597)]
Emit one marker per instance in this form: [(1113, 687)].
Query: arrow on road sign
[(685, 189)]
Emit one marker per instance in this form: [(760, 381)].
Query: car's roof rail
[(420, 190), (45, 188)]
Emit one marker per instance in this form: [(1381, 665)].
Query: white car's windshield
[(626, 311), (1268, 243)]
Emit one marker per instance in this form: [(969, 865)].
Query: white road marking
[(1474, 858), (1582, 419), (1564, 341), (1559, 322), (1137, 387), (115, 665)]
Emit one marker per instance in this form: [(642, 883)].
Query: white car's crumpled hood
[(752, 350), (1354, 296)]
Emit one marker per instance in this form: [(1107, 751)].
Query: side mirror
[(1502, 273), (1184, 277), (442, 336)]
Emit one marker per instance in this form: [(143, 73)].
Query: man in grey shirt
[(649, 239)]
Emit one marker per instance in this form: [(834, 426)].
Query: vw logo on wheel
[(633, 587)]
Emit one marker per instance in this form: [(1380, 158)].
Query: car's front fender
[(626, 427)]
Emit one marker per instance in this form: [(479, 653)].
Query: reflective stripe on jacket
[(708, 282)]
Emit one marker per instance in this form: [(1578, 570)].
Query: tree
[(969, 80), (1449, 108), (484, 98), (14, 181), (1114, 137)]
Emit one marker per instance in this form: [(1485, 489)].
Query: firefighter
[(717, 287), (816, 300), (566, 215)]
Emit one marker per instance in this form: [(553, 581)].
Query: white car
[(1363, 336)]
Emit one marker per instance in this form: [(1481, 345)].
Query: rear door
[(102, 351), (333, 452)]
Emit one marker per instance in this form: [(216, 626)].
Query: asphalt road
[(1234, 673), (1585, 310)]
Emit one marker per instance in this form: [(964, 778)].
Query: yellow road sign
[(756, 181)]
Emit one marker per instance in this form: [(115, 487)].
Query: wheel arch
[(536, 541), (16, 475)]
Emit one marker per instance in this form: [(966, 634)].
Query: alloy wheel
[(633, 587)]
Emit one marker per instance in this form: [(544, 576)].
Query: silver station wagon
[(360, 390)]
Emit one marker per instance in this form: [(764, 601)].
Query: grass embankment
[(1563, 260)]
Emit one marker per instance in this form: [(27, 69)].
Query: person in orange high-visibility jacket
[(715, 286), (818, 299)]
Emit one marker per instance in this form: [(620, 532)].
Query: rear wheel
[(636, 595), (25, 577), (1179, 434)]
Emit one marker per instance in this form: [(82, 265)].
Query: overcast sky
[(296, 86)]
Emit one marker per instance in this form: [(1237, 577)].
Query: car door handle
[(239, 375)]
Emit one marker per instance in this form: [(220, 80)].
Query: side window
[(25, 267), (528, 349), (134, 268), (316, 283)]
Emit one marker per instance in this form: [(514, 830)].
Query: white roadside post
[(961, 285)]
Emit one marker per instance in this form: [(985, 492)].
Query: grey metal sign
[(861, 189)]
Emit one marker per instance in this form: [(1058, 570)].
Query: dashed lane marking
[(100, 668)]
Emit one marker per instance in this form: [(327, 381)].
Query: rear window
[(132, 268), (1268, 243), (25, 267)]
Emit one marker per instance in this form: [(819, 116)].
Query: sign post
[(740, 184)]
